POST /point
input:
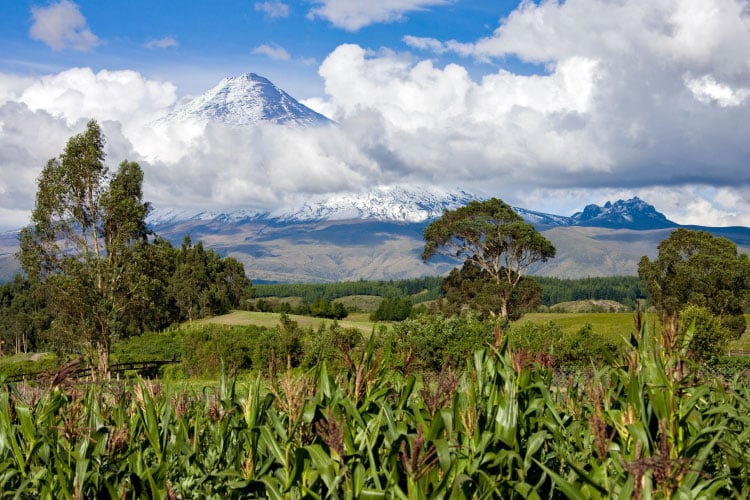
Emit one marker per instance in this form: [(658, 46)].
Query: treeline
[(419, 289), (623, 289), (186, 283), (321, 308)]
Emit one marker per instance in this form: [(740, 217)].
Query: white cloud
[(273, 9), (62, 26), (188, 166), (706, 89), (162, 43), (80, 94), (272, 50), (353, 15), (425, 43), (443, 125)]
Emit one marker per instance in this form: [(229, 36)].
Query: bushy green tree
[(695, 267), (493, 237), (23, 316), (204, 284), (82, 244), (393, 309)]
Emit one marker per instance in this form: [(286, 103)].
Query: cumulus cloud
[(273, 9), (80, 94), (265, 167), (353, 16), (38, 115), (186, 165), (162, 43), (706, 89), (62, 26), (272, 50), (617, 105)]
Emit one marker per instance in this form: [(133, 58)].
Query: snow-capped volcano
[(246, 100)]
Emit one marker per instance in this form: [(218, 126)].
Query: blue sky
[(197, 43), (548, 105)]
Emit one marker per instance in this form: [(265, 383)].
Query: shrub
[(149, 347), (587, 346), (433, 340), (333, 344), (705, 333), (207, 346), (536, 337)]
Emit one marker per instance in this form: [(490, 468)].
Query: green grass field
[(360, 321), (608, 324), (613, 325)]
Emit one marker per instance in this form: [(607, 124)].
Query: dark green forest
[(623, 289)]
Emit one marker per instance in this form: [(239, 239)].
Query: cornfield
[(648, 426)]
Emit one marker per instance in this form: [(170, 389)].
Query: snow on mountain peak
[(391, 203), (246, 100), (632, 213)]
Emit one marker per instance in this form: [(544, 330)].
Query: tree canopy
[(493, 237), (697, 268)]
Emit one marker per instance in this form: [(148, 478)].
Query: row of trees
[(623, 289), (91, 264), (321, 308), (427, 288)]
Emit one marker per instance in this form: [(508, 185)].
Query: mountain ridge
[(341, 241), (417, 205)]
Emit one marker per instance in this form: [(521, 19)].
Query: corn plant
[(648, 425)]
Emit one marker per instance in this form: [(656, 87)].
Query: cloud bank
[(635, 98)]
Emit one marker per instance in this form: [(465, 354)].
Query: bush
[(149, 347), (333, 345), (536, 337), (732, 366), (280, 345), (206, 346), (430, 341), (23, 364), (706, 333), (586, 346)]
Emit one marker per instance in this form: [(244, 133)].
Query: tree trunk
[(504, 308), (102, 354)]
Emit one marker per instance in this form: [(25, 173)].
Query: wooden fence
[(78, 371)]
